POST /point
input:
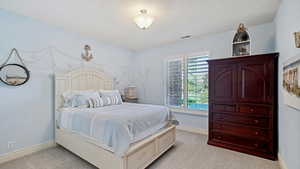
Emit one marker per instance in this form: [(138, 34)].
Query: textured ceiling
[(111, 21)]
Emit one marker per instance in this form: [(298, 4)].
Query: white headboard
[(80, 79)]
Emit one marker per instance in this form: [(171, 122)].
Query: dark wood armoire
[(243, 104)]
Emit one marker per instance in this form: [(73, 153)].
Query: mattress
[(115, 127)]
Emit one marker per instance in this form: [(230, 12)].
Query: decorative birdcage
[(241, 42)]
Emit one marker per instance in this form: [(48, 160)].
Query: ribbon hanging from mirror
[(14, 51)]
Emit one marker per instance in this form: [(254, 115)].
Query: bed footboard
[(139, 156)]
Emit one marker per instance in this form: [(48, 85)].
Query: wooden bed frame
[(139, 155)]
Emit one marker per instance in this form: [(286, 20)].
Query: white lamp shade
[(143, 20), (130, 92)]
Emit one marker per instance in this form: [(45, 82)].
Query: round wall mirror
[(14, 74)]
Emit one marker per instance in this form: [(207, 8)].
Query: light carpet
[(190, 152)]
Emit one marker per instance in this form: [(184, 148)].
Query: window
[(187, 82)]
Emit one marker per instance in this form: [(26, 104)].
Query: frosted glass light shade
[(143, 20)]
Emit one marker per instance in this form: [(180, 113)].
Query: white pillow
[(69, 94), (79, 101), (111, 97)]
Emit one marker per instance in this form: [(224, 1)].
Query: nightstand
[(131, 100)]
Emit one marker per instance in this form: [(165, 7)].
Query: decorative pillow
[(95, 102), (111, 97), (69, 95), (80, 101), (110, 100), (84, 99)]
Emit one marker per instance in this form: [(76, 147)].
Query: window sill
[(190, 112)]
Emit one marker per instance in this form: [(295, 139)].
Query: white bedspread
[(115, 127)]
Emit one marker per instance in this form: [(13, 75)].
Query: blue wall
[(288, 21)]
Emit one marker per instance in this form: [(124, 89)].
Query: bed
[(142, 148)]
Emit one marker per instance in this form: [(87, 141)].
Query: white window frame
[(184, 109)]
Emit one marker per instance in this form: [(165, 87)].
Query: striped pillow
[(111, 97), (95, 102), (111, 100)]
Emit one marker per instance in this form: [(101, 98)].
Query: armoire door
[(223, 87), (254, 81)]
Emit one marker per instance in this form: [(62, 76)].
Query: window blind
[(175, 96), (197, 82), (187, 82)]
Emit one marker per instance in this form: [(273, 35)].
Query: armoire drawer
[(224, 107), (257, 145), (252, 109), (243, 131), (251, 121)]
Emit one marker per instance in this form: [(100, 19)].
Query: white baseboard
[(192, 129), (281, 162), (25, 151)]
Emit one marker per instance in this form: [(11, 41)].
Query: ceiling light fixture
[(143, 20)]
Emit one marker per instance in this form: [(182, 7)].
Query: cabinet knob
[(255, 145), (252, 110), (256, 133), (256, 121)]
